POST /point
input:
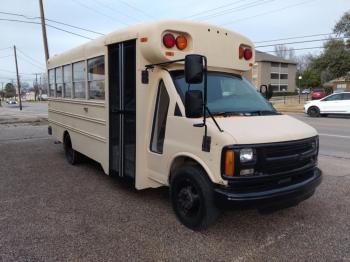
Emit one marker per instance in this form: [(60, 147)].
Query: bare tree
[(284, 52)]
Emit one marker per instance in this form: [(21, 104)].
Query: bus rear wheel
[(191, 195), (72, 156)]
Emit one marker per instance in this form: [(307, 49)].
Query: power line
[(295, 37), (269, 12), (6, 56), (136, 9), (236, 9), (28, 61), (12, 72), (29, 57), (51, 20), (305, 41), (98, 12), (115, 10), (295, 49), (38, 23), (5, 48), (212, 9)]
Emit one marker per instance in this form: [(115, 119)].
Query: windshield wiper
[(262, 112), (227, 114)]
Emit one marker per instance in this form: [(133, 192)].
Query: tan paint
[(87, 121)]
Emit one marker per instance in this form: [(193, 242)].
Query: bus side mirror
[(194, 69), (267, 91), (194, 103)]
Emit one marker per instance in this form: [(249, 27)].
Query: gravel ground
[(51, 211)]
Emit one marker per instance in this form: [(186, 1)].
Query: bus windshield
[(227, 94)]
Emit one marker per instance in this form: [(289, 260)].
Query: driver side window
[(335, 97)]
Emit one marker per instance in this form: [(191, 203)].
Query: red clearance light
[(181, 42), (248, 53), (169, 40)]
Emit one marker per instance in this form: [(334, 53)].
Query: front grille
[(286, 157), (278, 165)]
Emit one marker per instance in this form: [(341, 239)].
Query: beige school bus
[(166, 104)]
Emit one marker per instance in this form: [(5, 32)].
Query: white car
[(333, 104)]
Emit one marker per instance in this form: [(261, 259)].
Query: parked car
[(306, 91), (11, 102), (318, 93), (332, 104)]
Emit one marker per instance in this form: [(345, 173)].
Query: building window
[(275, 88), (96, 78), (79, 80), (274, 64), (283, 76), (341, 86), (283, 65), (283, 88), (159, 121), (67, 81), (274, 76), (52, 82)]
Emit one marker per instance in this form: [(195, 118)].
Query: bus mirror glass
[(194, 69), (269, 92), (194, 103)]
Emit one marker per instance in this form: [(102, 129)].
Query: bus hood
[(264, 129)]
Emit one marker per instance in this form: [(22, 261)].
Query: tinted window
[(284, 65), (346, 96), (226, 93), (96, 78), (283, 87), (79, 79), (159, 121), (333, 97)]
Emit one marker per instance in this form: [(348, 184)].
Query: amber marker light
[(229, 163), (181, 42)]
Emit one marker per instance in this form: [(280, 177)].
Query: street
[(51, 211)]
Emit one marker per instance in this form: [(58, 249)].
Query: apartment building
[(270, 69)]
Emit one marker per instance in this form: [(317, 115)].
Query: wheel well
[(311, 107), (184, 160)]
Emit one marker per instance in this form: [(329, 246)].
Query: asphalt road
[(51, 211)]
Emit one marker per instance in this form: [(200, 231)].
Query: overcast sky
[(258, 19)]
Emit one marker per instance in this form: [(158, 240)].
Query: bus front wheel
[(191, 194), (71, 155)]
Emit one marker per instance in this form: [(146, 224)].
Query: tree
[(284, 52), (310, 78), (334, 62), (342, 27), (10, 90)]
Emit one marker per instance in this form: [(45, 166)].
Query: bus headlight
[(247, 155)]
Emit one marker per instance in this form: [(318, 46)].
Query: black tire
[(313, 111), (192, 199), (72, 156)]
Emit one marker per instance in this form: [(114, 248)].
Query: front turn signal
[(229, 163)]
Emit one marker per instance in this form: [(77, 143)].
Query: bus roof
[(219, 45)]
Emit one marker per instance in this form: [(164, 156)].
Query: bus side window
[(52, 82), (59, 82), (159, 120), (79, 79), (96, 78)]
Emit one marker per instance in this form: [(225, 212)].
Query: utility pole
[(43, 29), (18, 82)]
